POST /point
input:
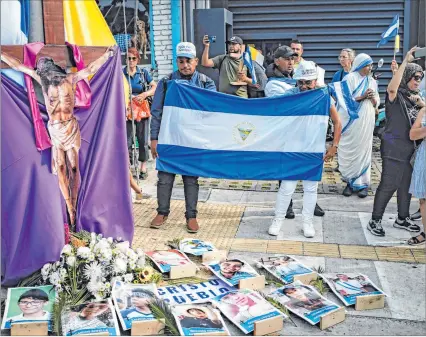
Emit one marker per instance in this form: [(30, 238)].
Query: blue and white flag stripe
[(391, 32), (249, 63), (210, 134)]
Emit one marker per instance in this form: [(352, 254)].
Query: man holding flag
[(258, 78)]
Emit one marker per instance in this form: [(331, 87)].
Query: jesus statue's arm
[(17, 65), (93, 67)]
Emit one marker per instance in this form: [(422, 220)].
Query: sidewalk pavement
[(237, 220)]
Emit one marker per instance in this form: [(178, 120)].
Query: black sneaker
[(363, 193), (375, 227), (347, 192), (407, 225), (416, 216), (290, 213), (318, 211)]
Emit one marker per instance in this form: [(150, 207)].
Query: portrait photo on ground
[(284, 267), (232, 271), (165, 259), (29, 304)]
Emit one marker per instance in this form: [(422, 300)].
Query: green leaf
[(161, 310)]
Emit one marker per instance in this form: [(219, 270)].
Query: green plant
[(276, 305), (319, 282), (185, 280), (161, 310), (174, 244)]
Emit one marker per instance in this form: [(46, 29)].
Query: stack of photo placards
[(92, 318), (29, 309), (132, 301), (305, 302), (205, 249), (235, 272), (174, 262), (198, 320), (356, 289), (250, 312), (287, 269)]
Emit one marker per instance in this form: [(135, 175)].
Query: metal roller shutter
[(324, 27)]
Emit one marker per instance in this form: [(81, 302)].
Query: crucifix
[(59, 92)]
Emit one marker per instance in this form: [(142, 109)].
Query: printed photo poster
[(244, 307), (90, 318), (349, 286), (194, 319), (29, 304), (284, 267), (304, 301), (192, 293), (196, 247), (232, 271), (132, 301), (165, 259)]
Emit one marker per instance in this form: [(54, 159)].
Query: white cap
[(186, 49), (307, 70)]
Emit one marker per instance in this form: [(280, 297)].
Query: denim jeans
[(164, 193)]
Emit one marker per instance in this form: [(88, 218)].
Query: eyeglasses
[(132, 58), (418, 78), (302, 82), (30, 303)]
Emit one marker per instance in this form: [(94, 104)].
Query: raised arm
[(417, 130), (397, 77), (17, 65), (205, 61), (93, 67)]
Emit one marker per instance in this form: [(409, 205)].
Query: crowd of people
[(352, 125)]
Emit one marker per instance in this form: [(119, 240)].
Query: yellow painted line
[(358, 252), (395, 254), (285, 247), (419, 255), (321, 249), (250, 245)]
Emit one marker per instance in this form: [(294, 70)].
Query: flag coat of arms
[(214, 135)]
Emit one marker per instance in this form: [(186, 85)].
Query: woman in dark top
[(140, 80), (346, 59), (397, 148)]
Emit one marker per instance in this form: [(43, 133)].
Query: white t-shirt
[(17, 318)]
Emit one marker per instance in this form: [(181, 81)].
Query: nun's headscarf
[(410, 70), (361, 60)]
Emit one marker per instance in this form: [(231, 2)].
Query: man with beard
[(187, 62), (59, 96), (229, 67), (306, 76)]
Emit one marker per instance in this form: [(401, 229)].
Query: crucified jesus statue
[(59, 96)]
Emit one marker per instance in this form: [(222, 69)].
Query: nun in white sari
[(356, 106)]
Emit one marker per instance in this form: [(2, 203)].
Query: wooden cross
[(54, 39)]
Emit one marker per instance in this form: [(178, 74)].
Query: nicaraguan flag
[(391, 32), (211, 134), (248, 62)]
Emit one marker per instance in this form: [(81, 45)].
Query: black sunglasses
[(418, 78), (132, 58), (301, 82)]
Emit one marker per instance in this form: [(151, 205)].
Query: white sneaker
[(275, 227), (308, 230)]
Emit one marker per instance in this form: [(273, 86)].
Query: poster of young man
[(245, 307), (132, 301), (193, 319), (29, 304), (90, 318), (165, 259), (348, 287), (304, 301), (232, 271), (284, 267), (195, 246)]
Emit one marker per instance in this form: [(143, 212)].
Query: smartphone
[(212, 39), (420, 53)]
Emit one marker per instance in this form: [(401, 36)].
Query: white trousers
[(309, 199)]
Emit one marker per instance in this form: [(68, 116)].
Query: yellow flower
[(146, 273), (77, 243)]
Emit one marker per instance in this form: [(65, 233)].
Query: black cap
[(235, 39), (284, 51)]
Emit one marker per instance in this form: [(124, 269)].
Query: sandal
[(417, 240)]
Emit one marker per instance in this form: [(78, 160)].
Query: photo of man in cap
[(230, 66), (139, 310)]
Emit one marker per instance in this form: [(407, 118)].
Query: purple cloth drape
[(33, 211)]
